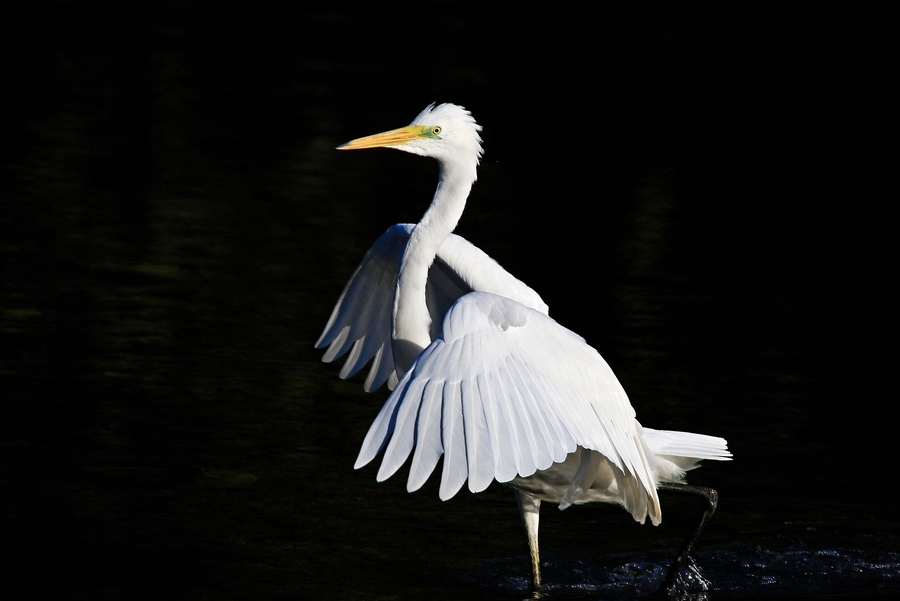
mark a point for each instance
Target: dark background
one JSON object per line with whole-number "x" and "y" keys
{"x": 693, "y": 196}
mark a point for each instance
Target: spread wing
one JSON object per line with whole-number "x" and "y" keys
{"x": 361, "y": 319}
{"x": 506, "y": 391}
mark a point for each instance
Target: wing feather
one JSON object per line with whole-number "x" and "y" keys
{"x": 511, "y": 413}
{"x": 382, "y": 369}
{"x": 360, "y": 304}
{"x": 429, "y": 442}
{"x": 456, "y": 468}
{"x": 401, "y": 430}
{"x": 478, "y": 444}
{"x": 506, "y": 391}
{"x": 361, "y": 319}
{"x": 562, "y": 433}
{"x": 502, "y": 434}
{"x": 382, "y": 429}
{"x": 535, "y": 406}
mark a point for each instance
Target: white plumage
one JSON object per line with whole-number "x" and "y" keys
{"x": 361, "y": 319}
{"x": 480, "y": 373}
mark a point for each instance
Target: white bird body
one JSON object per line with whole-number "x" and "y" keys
{"x": 486, "y": 378}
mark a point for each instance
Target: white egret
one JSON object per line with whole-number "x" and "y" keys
{"x": 482, "y": 375}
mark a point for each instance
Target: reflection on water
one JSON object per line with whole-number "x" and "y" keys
{"x": 176, "y": 228}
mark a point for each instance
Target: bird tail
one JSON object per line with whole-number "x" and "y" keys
{"x": 686, "y": 449}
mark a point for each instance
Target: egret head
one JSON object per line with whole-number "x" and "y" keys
{"x": 446, "y": 132}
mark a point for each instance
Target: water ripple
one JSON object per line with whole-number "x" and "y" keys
{"x": 726, "y": 572}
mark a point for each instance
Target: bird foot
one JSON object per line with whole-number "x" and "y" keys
{"x": 684, "y": 582}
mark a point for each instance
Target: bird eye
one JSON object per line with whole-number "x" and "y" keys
{"x": 436, "y": 130}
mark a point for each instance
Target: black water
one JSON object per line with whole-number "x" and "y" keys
{"x": 177, "y": 225}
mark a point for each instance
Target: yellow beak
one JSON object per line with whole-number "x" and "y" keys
{"x": 395, "y": 137}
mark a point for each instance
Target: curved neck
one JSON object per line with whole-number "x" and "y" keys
{"x": 411, "y": 320}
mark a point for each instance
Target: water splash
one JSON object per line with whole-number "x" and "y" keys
{"x": 725, "y": 572}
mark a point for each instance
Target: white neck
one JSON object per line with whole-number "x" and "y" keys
{"x": 411, "y": 323}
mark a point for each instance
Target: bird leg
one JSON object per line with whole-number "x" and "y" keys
{"x": 712, "y": 499}
{"x": 529, "y": 509}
